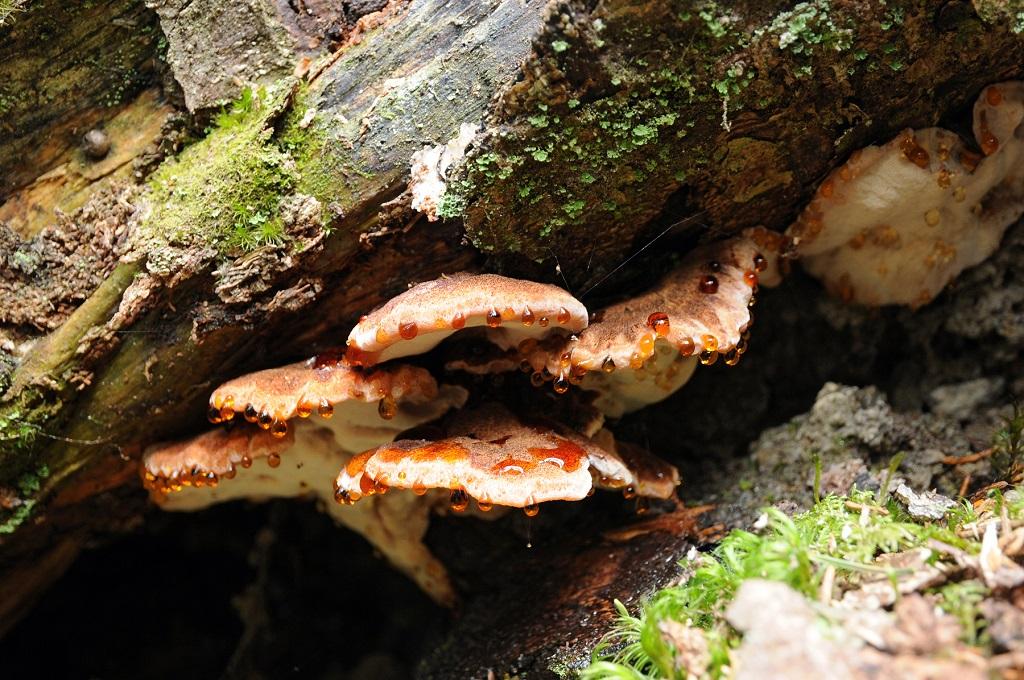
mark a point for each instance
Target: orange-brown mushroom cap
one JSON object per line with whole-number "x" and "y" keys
{"x": 206, "y": 459}
{"x": 319, "y": 385}
{"x": 641, "y": 350}
{"x": 489, "y": 454}
{"x": 630, "y": 466}
{"x": 417, "y": 320}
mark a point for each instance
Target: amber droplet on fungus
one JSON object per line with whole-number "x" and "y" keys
{"x": 561, "y": 384}
{"x": 528, "y": 318}
{"x": 459, "y": 500}
{"x": 659, "y": 323}
{"x": 608, "y": 365}
{"x": 386, "y": 408}
{"x": 279, "y": 427}
{"x": 274, "y": 460}
{"x": 708, "y": 284}
{"x": 531, "y": 510}
{"x": 459, "y": 321}
{"x": 325, "y": 409}
{"x": 408, "y": 330}
{"x": 563, "y": 316}
{"x": 493, "y": 318}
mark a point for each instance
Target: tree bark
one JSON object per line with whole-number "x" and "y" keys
{"x": 603, "y": 124}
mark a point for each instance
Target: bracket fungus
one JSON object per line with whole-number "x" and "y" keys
{"x": 490, "y": 454}
{"x": 223, "y": 464}
{"x": 417, "y": 320}
{"x": 326, "y": 385}
{"x": 898, "y": 222}
{"x": 640, "y": 351}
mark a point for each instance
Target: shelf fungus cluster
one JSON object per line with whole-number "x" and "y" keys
{"x": 355, "y": 427}
{"x": 898, "y": 222}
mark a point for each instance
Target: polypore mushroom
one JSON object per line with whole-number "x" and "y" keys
{"x": 489, "y": 454}
{"x": 358, "y": 400}
{"x": 898, "y": 222}
{"x": 641, "y": 350}
{"x": 631, "y": 467}
{"x": 302, "y": 460}
{"x": 417, "y": 320}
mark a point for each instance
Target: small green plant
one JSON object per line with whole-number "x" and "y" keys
{"x": 1008, "y": 444}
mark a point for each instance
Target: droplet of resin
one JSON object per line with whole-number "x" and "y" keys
{"x": 578, "y": 371}
{"x": 213, "y": 415}
{"x": 565, "y": 359}
{"x": 658, "y": 322}
{"x": 932, "y": 217}
{"x": 561, "y": 384}
{"x": 246, "y": 462}
{"x": 382, "y": 336}
{"x": 760, "y": 262}
{"x": 528, "y": 318}
{"x": 537, "y": 379}
{"x": 408, "y": 330}
{"x": 715, "y": 266}
{"x": 493, "y": 318}
{"x": 636, "y": 361}
{"x": 563, "y": 316}
{"x": 686, "y": 347}
{"x": 459, "y": 321}
{"x": 343, "y": 497}
{"x": 608, "y": 365}
{"x": 708, "y": 357}
{"x": 543, "y": 322}
{"x": 279, "y": 428}
{"x": 708, "y": 284}
{"x": 750, "y": 278}
{"x": 646, "y": 346}
{"x": 419, "y": 489}
{"x": 273, "y": 460}
{"x": 508, "y": 314}
{"x": 484, "y": 506}
{"x": 914, "y": 152}
{"x": 304, "y": 409}
{"x": 325, "y": 409}
{"x": 710, "y": 342}
{"x": 459, "y": 500}
{"x": 732, "y": 357}
{"x": 386, "y": 408}
{"x": 629, "y": 493}
{"x": 265, "y": 419}
{"x": 531, "y": 510}
{"x": 250, "y": 413}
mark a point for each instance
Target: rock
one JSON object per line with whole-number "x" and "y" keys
{"x": 783, "y": 637}
{"x": 963, "y": 400}
{"x": 925, "y": 506}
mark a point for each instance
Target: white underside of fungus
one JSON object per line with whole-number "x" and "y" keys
{"x": 898, "y": 222}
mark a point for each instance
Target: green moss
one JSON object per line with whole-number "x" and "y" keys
{"x": 795, "y": 551}
{"x": 226, "y": 190}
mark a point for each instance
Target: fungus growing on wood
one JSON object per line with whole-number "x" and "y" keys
{"x": 417, "y": 320}
{"x": 898, "y": 222}
{"x": 302, "y": 460}
{"x": 331, "y": 388}
{"x": 641, "y": 350}
{"x": 225, "y": 464}
{"x": 490, "y": 454}
{"x": 631, "y": 467}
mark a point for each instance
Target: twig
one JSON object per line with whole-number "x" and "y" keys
{"x": 969, "y": 458}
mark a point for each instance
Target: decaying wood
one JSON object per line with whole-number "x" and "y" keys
{"x": 603, "y": 123}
